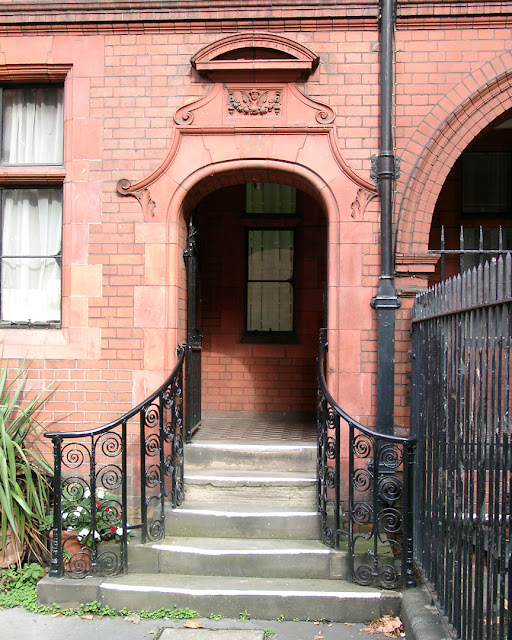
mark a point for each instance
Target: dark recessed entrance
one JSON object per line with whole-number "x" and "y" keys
{"x": 262, "y": 255}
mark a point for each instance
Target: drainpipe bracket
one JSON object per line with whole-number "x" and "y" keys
{"x": 386, "y": 297}
{"x": 379, "y": 170}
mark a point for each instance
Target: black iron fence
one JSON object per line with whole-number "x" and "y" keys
{"x": 98, "y": 503}
{"x": 461, "y": 403}
{"x": 364, "y": 491}
{"x": 477, "y": 245}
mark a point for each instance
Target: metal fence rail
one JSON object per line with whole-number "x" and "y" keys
{"x": 364, "y": 493}
{"x": 460, "y": 408}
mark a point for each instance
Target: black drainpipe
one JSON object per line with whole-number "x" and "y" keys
{"x": 386, "y": 301}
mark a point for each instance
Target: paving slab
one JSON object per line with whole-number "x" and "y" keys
{"x": 19, "y": 624}
{"x": 211, "y": 634}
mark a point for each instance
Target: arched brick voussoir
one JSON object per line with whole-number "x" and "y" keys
{"x": 443, "y": 135}
{"x": 205, "y": 180}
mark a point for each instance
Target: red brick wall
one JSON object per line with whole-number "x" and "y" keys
{"x": 255, "y": 378}
{"x": 126, "y": 81}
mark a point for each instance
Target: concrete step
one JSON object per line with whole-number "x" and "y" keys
{"x": 235, "y": 487}
{"x": 239, "y": 557}
{"x": 237, "y": 520}
{"x": 250, "y": 456}
{"x": 261, "y": 598}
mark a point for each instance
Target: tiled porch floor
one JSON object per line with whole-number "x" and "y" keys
{"x": 249, "y": 428}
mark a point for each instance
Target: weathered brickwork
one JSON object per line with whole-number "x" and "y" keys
{"x": 124, "y": 291}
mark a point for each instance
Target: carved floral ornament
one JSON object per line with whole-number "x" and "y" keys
{"x": 254, "y": 102}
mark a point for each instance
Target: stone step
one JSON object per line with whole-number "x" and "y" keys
{"x": 250, "y": 456}
{"x": 239, "y": 557}
{"x": 255, "y": 520}
{"x": 261, "y": 598}
{"x": 235, "y": 487}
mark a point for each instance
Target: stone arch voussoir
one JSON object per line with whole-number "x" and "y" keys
{"x": 207, "y": 179}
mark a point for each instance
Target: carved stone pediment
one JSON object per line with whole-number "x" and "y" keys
{"x": 247, "y": 105}
{"x": 256, "y": 55}
{"x": 255, "y": 123}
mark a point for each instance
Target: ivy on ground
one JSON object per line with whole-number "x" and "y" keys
{"x": 18, "y": 588}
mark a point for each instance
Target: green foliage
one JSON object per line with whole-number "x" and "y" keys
{"x": 269, "y": 633}
{"x": 24, "y": 474}
{"x": 215, "y": 616}
{"x": 244, "y": 615}
{"x": 176, "y": 613}
{"x": 280, "y": 618}
{"x": 18, "y": 588}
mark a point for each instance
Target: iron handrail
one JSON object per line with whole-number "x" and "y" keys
{"x": 351, "y": 421}
{"x": 127, "y": 416}
{"x": 371, "y": 507}
{"x": 92, "y": 502}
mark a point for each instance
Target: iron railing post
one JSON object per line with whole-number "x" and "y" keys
{"x": 56, "y": 562}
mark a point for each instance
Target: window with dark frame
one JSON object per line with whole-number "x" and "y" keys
{"x": 487, "y": 182}
{"x": 31, "y": 205}
{"x": 270, "y": 263}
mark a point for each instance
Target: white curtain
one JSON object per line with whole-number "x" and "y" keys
{"x": 33, "y": 125}
{"x": 32, "y": 134}
{"x": 32, "y": 224}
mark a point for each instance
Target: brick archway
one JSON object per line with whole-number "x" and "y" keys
{"x": 442, "y": 137}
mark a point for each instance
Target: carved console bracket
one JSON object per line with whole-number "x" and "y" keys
{"x": 359, "y": 205}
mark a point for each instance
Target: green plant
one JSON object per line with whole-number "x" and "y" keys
{"x": 18, "y": 588}
{"x": 269, "y": 633}
{"x": 77, "y": 509}
{"x": 280, "y": 618}
{"x": 215, "y": 616}
{"x": 244, "y": 615}
{"x": 24, "y": 474}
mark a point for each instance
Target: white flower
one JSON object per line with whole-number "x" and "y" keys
{"x": 100, "y": 493}
{"x": 119, "y": 531}
{"x": 83, "y": 533}
{"x": 87, "y": 493}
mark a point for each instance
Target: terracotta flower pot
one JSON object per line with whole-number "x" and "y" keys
{"x": 77, "y": 555}
{"x": 12, "y": 552}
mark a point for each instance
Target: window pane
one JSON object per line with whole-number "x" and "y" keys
{"x": 270, "y": 306}
{"x": 33, "y": 125}
{"x": 271, "y": 254}
{"x": 487, "y": 182}
{"x": 269, "y": 198}
{"x": 270, "y": 275}
{"x": 31, "y": 247}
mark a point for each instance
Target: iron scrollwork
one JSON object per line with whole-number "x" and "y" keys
{"x": 91, "y": 491}
{"x": 370, "y": 508}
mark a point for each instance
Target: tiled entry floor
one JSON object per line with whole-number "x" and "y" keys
{"x": 249, "y": 428}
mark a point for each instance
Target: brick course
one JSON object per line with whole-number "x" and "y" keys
{"x": 127, "y": 80}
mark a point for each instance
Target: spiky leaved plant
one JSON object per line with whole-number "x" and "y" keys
{"x": 24, "y": 473}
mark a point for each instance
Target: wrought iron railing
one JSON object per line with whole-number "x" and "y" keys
{"x": 97, "y": 502}
{"x": 477, "y": 245}
{"x": 461, "y": 405}
{"x": 364, "y": 491}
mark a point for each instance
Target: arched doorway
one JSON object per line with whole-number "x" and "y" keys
{"x": 217, "y": 148}
{"x": 472, "y": 216}
{"x": 262, "y": 255}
